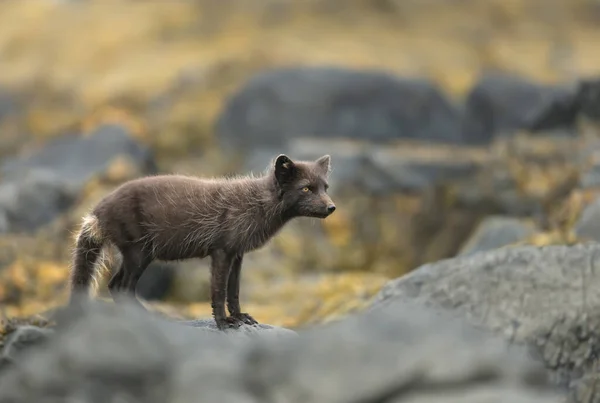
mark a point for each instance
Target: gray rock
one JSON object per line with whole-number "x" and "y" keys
{"x": 285, "y": 103}
{"x": 564, "y": 108}
{"x": 393, "y": 168}
{"x": 543, "y": 297}
{"x": 495, "y": 232}
{"x": 23, "y": 338}
{"x": 40, "y": 185}
{"x": 8, "y": 104}
{"x": 76, "y": 159}
{"x": 245, "y": 330}
{"x": 33, "y": 200}
{"x": 398, "y": 353}
{"x": 588, "y": 225}
{"x": 502, "y": 103}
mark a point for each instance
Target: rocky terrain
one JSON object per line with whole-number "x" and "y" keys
{"x": 459, "y": 266}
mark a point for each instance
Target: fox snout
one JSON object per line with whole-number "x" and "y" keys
{"x": 329, "y": 206}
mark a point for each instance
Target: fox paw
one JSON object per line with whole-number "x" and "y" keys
{"x": 245, "y": 318}
{"x": 227, "y": 323}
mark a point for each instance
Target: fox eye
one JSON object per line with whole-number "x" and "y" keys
{"x": 305, "y": 189}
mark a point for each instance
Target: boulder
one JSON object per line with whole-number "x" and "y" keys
{"x": 495, "y": 232}
{"x": 405, "y": 166}
{"x": 23, "y": 338}
{"x": 587, "y": 226}
{"x": 41, "y": 184}
{"x": 281, "y": 104}
{"x": 564, "y": 109}
{"x": 397, "y": 354}
{"x": 500, "y": 104}
{"x": 33, "y": 200}
{"x": 543, "y": 297}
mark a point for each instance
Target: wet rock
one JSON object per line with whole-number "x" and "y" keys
{"x": 398, "y": 353}
{"x": 539, "y": 296}
{"x": 495, "y": 232}
{"x": 278, "y": 105}
{"x": 501, "y": 104}
{"x": 39, "y": 185}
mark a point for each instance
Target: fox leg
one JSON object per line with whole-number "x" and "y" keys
{"x": 219, "y": 269}
{"x": 233, "y": 292}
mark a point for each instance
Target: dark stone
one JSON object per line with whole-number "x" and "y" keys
{"x": 400, "y": 353}
{"x": 156, "y": 281}
{"x": 495, "y": 232}
{"x": 38, "y": 186}
{"x": 563, "y": 110}
{"x": 281, "y": 104}
{"x": 543, "y": 297}
{"x": 500, "y": 104}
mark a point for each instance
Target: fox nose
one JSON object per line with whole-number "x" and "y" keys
{"x": 330, "y": 208}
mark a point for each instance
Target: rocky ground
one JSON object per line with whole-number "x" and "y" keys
{"x": 461, "y": 258}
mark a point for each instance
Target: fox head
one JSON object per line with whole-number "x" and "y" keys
{"x": 302, "y": 186}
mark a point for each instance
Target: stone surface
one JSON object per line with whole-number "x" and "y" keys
{"x": 249, "y": 330}
{"x": 540, "y": 296}
{"x": 24, "y": 337}
{"x": 277, "y": 105}
{"x": 34, "y": 199}
{"x": 405, "y": 166}
{"x": 397, "y": 354}
{"x": 39, "y": 185}
{"x": 563, "y": 110}
{"x": 495, "y": 232}
{"x": 76, "y": 159}
{"x": 501, "y": 103}
{"x": 588, "y": 225}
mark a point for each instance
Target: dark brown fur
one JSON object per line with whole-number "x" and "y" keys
{"x": 174, "y": 217}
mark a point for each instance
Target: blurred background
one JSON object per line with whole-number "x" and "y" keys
{"x": 454, "y": 126}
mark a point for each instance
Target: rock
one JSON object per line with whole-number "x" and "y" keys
{"x": 281, "y": 104}
{"x": 23, "y": 338}
{"x": 404, "y": 166}
{"x": 543, "y": 297}
{"x": 588, "y": 98}
{"x": 588, "y": 225}
{"x": 42, "y": 184}
{"x": 156, "y": 282}
{"x": 33, "y": 200}
{"x": 77, "y": 159}
{"x": 396, "y": 354}
{"x": 209, "y": 324}
{"x": 496, "y": 232}
{"x": 566, "y": 107}
{"x": 8, "y": 104}
{"x": 501, "y": 104}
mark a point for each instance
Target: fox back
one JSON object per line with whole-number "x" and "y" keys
{"x": 178, "y": 217}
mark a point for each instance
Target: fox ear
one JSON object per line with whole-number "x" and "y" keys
{"x": 325, "y": 164}
{"x": 285, "y": 169}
